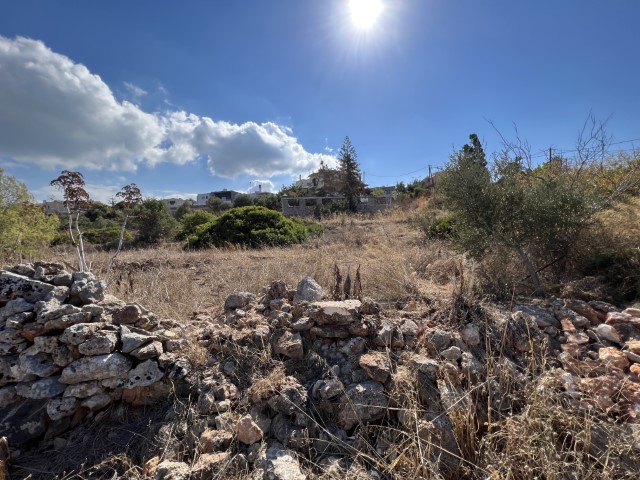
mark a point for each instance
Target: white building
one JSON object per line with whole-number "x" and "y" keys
{"x": 173, "y": 203}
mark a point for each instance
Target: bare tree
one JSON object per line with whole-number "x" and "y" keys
{"x": 130, "y": 197}
{"x": 76, "y": 199}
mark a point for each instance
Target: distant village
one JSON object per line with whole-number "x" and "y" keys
{"x": 320, "y": 189}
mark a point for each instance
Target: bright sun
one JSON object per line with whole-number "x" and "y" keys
{"x": 364, "y": 13}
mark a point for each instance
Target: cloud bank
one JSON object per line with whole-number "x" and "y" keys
{"x": 56, "y": 113}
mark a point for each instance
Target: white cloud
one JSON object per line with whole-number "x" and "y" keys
{"x": 135, "y": 90}
{"x": 57, "y": 113}
{"x": 262, "y": 186}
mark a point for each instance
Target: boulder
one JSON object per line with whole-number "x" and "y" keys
{"x": 335, "y": 312}
{"x": 132, "y": 340}
{"x": 308, "y": 291}
{"x": 238, "y": 300}
{"x": 128, "y": 315}
{"x": 377, "y": 366}
{"x": 247, "y": 431}
{"x": 96, "y": 368}
{"x": 280, "y": 464}
{"x": 13, "y": 286}
{"x": 39, "y": 389}
{"x": 78, "y": 333}
{"x": 99, "y": 343}
{"x": 214, "y": 441}
{"x": 61, "y": 407}
{"x": 144, "y": 374}
{"x": 290, "y": 345}
{"x": 151, "y": 350}
{"x": 363, "y": 402}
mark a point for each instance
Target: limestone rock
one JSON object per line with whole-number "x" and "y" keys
{"x": 83, "y": 390}
{"x": 132, "y": 340}
{"x": 46, "y": 344}
{"x": 99, "y": 343}
{"x": 172, "y": 471}
{"x": 78, "y": 333}
{"x": 144, "y": 374}
{"x": 471, "y": 335}
{"x": 280, "y": 464}
{"x": 290, "y": 345}
{"x": 214, "y": 441}
{"x": 88, "y": 291}
{"x": 238, "y": 300}
{"x": 608, "y": 332}
{"x": 452, "y": 353}
{"x": 96, "y": 368}
{"x": 128, "y": 315}
{"x": 247, "y": 431}
{"x": 40, "y": 364}
{"x": 308, "y": 291}
{"x": 61, "y": 407}
{"x": 96, "y": 402}
{"x": 611, "y": 356}
{"x": 335, "y": 312}
{"x": 364, "y": 402}
{"x": 39, "y": 389}
{"x": 543, "y": 317}
{"x": 14, "y": 286}
{"x": 376, "y": 365}
{"x": 151, "y": 350}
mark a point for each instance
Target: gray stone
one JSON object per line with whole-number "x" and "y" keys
{"x": 543, "y": 317}
{"x": 439, "y": 339}
{"x": 88, "y": 291}
{"x": 409, "y": 327}
{"x": 18, "y": 305}
{"x": 63, "y": 279}
{"x": 78, "y": 333}
{"x": 280, "y": 464}
{"x": 168, "y": 470}
{"x": 66, "y": 321}
{"x": 11, "y": 371}
{"x": 302, "y": 324}
{"x": 11, "y": 335}
{"x": 132, "y": 340}
{"x": 354, "y": 346}
{"x": 99, "y": 343}
{"x": 52, "y": 310}
{"x": 130, "y": 314}
{"x": 12, "y": 348}
{"x": 43, "y": 388}
{"x": 14, "y": 286}
{"x": 364, "y": 402}
{"x": 335, "y": 312}
{"x": 608, "y": 332}
{"x": 58, "y": 408}
{"x": 46, "y": 344}
{"x": 24, "y": 421}
{"x": 452, "y": 353}
{"x": 96, "y": 368}
{"x": 96, "y": 402}
{"x": 40, "y": 364}
{"x": 471, "y": 335}
{"x": 8, "y": 395}
{"x": 144, "y": 374}
{"x": 65, "y": 354}
{"x": 238, "y": 300}
{"x": 152, "y": 350}
{"x": 289, "y": 345}
{"x": 83, "y": 390}
{"x": 308, "y": 291}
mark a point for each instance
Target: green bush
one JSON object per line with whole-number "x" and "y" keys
{"x": 190, "y": 222}
{"x": 252, "y": 227}
{"x": 105, "y": 235}
{"x": 443, "y": 228}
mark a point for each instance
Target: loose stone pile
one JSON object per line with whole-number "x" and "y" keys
{"x": 68, "y": 350}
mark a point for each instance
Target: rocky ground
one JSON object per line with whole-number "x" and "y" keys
{"x": 287, "y": 384}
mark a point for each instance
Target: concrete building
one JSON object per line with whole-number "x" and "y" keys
{"x": 54, "y": 206}
{"x": 308, "y": 206}
{"x": 173, "y": 203}
{"x": 225, "y": 195}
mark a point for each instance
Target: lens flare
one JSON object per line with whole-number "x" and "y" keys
{"x": 364, "y": 13}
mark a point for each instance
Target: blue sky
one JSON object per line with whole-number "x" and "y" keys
{"x": 193, "y": 96}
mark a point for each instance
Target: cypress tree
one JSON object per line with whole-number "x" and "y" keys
{"x": 350, "y": 169}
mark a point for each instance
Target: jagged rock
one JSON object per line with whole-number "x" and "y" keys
{"x": 152, "y": 350}
{"x": 238, "y": 300}
{"x": 280, "y": 464}
{"x": 78, "y": 333}
{"x": 291, "y": 399}
{"x": 214, "y": 441}
{"x": 40, "y": 364}
{"x": 168, "y": 470}
{"x": 132, "y": 340}
{"x": 247, "y": 431}
{"x": 96, "y": 368}
{"x": 369, "y": 307}
{"x": 471, "y": 335}
{"x": 61, "y": 407}
{"x": 66, "y": 321}
{"x": 613, "y": 357}
{"x": 96, "y": 402}
{"x": 409, "y": 327}
{"x": 302, "y": 324}
{"x": 601, "y": 390}
{"x": 389, "y": 336}
{"x": 46, "y": 344}
{"x": 330, "y": 332}
{"x": 376, "y": 365}
{"x": 334, "y": 312}
{"x": 88, "y": 290}
{"x": 440, "y": 441}
{"x": 128, "y": 315}
{"x": 11, "y": 335}
{"x": 15, "y": 306}
{"x": 261, "y": 419}
{"x": 12, "y": 348}
{"x": 53, "y": 310}
{"x": 44, "y": 388}
{"x": 543, "y": 317}
{"x": 363, "y": 402}
{"x": 288, "y": 433}
{"x": 209, "y": 465}
{"x": 584, "y": 309}
{"x": 608, "y": 332}
{"x": 99, "y": 343}
{"x": 290, "y": 345}
{"x": 11, "y": 371}
{"x": 83, "y": 390}
{"x": 65, "y": 354}
{"x": 425, "y": 366}
{"x": 452, "y": 353}
{"x": 8, "y": 395}
{"x": 14, "y": 286}
{"x": 438, "y": 339}
{"x": 144, "y": 374}
{"x": 308, "y": 291}
{"x": 354, "y": 346}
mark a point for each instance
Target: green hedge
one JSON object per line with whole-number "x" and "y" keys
{"x": 252, "y": 227}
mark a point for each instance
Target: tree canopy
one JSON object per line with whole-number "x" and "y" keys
{"x": 353, "y": 185}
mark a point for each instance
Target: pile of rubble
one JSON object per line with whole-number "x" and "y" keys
{"x": 292, "y": 381}
{"x": 68, "y": 350}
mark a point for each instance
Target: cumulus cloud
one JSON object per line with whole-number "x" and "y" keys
{"x": 55, "y": 112}
{"x": 135, "y": 90}
{"x": 262, "y": 186}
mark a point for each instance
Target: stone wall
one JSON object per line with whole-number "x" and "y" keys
{"x": 68, "y": 350}
{"x": 306, "y": 206}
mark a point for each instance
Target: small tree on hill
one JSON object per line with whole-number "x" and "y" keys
{"x": 154, "y": 221}
{"x": 76, "y": 199}
{"x": 353, "y": 185}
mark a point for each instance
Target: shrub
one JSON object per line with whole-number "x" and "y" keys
{"x": 443, "y": 228}
{"x": 252, "y": 227}
{"x": 190, "y": 221}
{"x": 105, "y": 235}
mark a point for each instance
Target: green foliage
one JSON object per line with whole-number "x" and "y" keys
{"x": 442, "y": 228}
{"x": 183, "y": 209}
{"x": 349, "y": 167}
{"x": 154, "y": 221}
{"x": 218, "y": 205}
{"x": 536, "y": 216}
{"x": 413, "y": 189}
{"x": 105, "y": 235}
{"x": 331, "y": 208}
{"x": 190, "y": 222}
{"x": 272, "y": 202}
{"x": 24, "y": 227}
{"x": 252, "y": 227}
{"x": 242, "y": 200}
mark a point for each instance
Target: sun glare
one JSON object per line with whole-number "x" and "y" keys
{"x": 364, "y": 13}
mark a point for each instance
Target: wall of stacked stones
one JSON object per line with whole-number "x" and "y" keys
{"x": 68, "y": 350}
